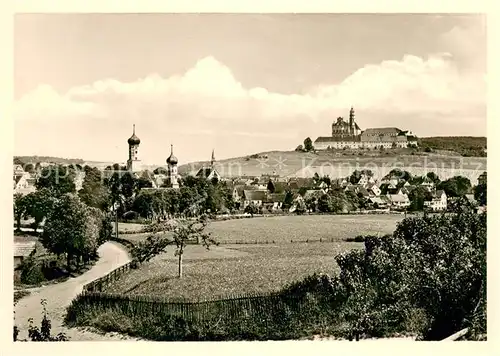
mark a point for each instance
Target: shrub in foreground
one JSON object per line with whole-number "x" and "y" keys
{"x": 43, "y": 333}
{"x": 429, "y": 276}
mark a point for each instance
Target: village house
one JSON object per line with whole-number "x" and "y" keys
{"x": 379, "y": 202}
{"x": 274, "y": 201}
{"x": 296, "y": 183}
{"x": 365, "y": 180}
{"x": 428, "y": 183}
{"x": 373, "y": 189}
{"x": 23, "y": 247}
{"x": 399, "y": 201}
{"x": 439, "y": 201}
{"x": 255, "y": 197}
{"x": 23, "y": 182}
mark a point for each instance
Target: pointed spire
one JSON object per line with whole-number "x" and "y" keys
{"x": 171, "y": 149}
{"x": 212, "y": 160}
{"x": 133, "y": 129}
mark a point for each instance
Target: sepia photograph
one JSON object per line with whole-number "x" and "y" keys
{"x": 249, "y": 177}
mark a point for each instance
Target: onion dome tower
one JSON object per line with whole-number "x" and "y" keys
{"x": 172, "y": 169}
{"x": 133, "y": 162}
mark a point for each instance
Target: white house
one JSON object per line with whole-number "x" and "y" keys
{"x": 399, "y": 201}
{"x": 256, "y": 197}
{"x": 439, "y": 202}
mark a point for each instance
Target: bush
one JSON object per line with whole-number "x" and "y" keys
{"x": 31, "y": 272}
{"x": 429, "y": 276}
{"x": 44, "y": 332}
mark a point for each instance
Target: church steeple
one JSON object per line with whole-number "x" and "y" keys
{"x": 133, "y": 162}
{"x": 212, "y": 160}
{"x": 172, "y": 176}
{"x": 351, "y": 121}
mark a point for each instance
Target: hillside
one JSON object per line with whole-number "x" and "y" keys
{"x": 39, "y": 159}
{"x": 342, "y": 163}
{"x": 467, "y": 146}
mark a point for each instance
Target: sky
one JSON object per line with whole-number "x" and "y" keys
{"x": 239, "y": 83}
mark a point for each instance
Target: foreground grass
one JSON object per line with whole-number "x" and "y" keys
{"x": 230, "y": 270}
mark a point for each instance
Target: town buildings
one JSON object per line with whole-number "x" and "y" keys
{"x": 347, "y": 134}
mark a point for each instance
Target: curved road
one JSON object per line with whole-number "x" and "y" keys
{"x": 59, "y": 296}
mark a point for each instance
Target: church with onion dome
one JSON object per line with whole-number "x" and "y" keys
{"x": 133, "y": 162}
{"x": 135, "y": 166}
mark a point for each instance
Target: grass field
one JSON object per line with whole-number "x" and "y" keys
{"x": 282, "y": 229}
{"x": 231, "y": 269}
{"x": 301, "y": 228}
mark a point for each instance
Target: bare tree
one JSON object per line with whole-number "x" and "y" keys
{"x": 178, "y": 232}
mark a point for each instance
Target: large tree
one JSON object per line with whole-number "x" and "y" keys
{"x": 69, "y": 228}
{"x": 39, "y": 204}
{"x": 20, "y": 209}
{"x": 94, "y": 193}
{"x": 59, "y": 179}
{"x": 418, "y": 196}
{"x": 480, "y": 194}
{"x": 308, "y": 145}
{"x": 455, "y": 186}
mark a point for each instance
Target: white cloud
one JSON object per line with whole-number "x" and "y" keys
{"x": 208, "y": 98}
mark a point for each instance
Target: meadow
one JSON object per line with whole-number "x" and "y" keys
{"x": 234, "y": 269}
{"x": 289, "y": 228}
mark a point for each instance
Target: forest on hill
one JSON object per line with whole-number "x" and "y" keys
{"x": 22, "y": 160}
{"x": 466, "y": 146}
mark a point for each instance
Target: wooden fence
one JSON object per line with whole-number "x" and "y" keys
{"x": 99, "y": 284}
{"x": 267, "y": 312}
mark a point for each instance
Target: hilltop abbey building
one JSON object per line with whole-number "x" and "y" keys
{"x": 349, "y": 135}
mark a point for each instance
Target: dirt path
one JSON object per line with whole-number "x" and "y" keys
{"x": 59, "y": 296}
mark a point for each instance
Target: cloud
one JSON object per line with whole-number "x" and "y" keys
{"x": 467, "y": 41}
{"x": 208, "y": 99}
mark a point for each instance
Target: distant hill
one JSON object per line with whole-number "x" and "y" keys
{"x": 341, "y": 163}
{"x": 40, "y": 159}
{"x": 467, "y": 146}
